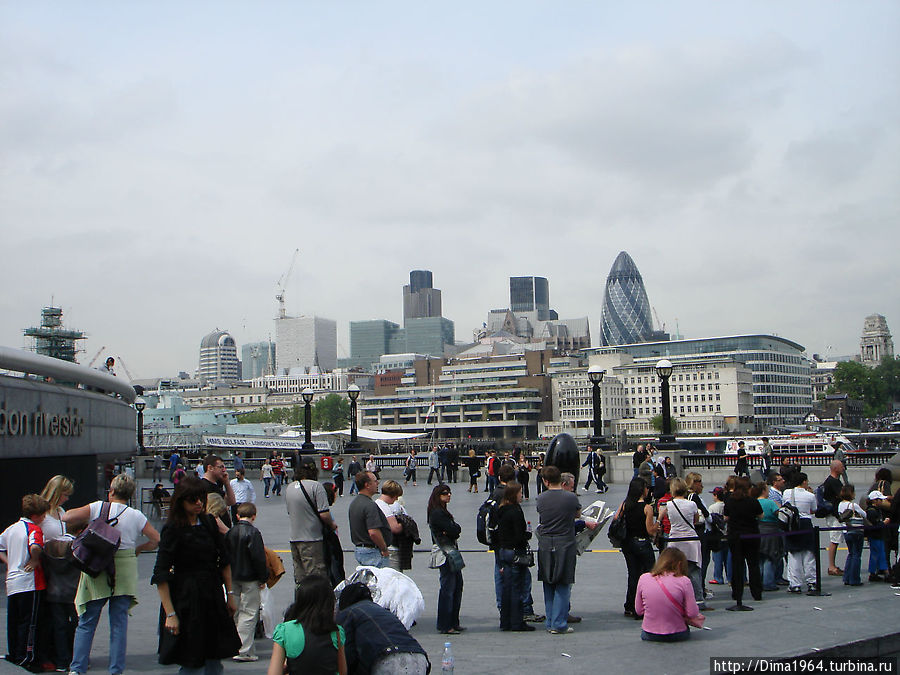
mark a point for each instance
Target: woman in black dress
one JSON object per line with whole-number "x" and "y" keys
{"x": 640, "y": 526}
{"x": 195, "y": 624}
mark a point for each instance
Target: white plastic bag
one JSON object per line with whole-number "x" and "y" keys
{"x": 267, "y": 611}
{"x": 391, "y": 589}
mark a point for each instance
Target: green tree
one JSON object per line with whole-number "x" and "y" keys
{"x": 866, "y": 384}
{"x": 331, "y": 413}
{"x": 656, "y": 423}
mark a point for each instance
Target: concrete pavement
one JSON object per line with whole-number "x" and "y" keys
{"x": 782, "y": 624}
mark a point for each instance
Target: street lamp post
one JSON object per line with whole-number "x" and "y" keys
{"x": 139, "y": 405}
{"x": 667, "y": 438}
{"x": 353, "y": 393}
{"x": 595, "y": 375}
{"x": 307, "y": 446}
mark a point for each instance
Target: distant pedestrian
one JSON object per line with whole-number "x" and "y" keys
{"x": 434, "y": 465}
{"x": 352, "y": 469}
{"x": 409, "y": 472}
{"x": 337, "y": 475}
{"x": 474, "y": 466}
{"x": 157, "y": 467}
{"x": 740, "y": 467}
{"x": 278, "y": 473}
{"x": 243, "y": 492}
{"x": 267, "y": 475}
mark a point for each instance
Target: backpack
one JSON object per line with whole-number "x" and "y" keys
{"x": 788, "y": 517}
{"x": 486, "y": 521}
{"x": 94, "y": 549}
{"x": 824, "y": 508}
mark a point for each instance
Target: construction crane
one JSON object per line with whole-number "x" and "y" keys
{"x": 282, "y": 284}
{"x": 121, "y": 362}
{"x": 96, "y": 356}
{"x": 660, "y": 325}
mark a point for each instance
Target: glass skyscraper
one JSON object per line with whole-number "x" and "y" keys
{"x": 530, "y": 294}
{"x": 625, "y": 318}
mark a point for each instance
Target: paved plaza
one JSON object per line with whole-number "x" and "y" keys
{"x": 605, "y": 641}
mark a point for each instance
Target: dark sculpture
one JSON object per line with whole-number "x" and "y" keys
{"x": 563, "y": 454}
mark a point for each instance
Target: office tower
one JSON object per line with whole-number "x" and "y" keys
{"x": 625, "y": 318}
{"x": 876, "y": 342}
{"x": 305, "y": 343}
{"x": 420, "y": 298}
{"x": 530, "y": 294}
{"x": 258, "y": 359}
{"x": 218, "y": 358}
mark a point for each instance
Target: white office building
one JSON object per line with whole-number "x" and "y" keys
{"x": 218, "y": 358}
{"x": 305, "y": 344}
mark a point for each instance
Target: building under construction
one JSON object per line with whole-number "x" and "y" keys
{"x": 52, "y": 339}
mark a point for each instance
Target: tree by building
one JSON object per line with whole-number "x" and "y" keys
{"x": 656, "y": 423}
{"x": 876, "y": 387}
{"x": 331, "y": 413}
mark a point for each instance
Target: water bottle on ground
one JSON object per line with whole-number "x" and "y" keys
{"x": 447, "y": 659}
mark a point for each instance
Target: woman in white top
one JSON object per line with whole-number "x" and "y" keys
{"x": 267, "y": 475}
{"x": 850, "y": 513}
{"x": 683, "y": 516}
{"x": 57, "y": 492}
{"x": 391, "y": 508}
{"x": 800, "y": 547}
{"x": 94, "y": 593}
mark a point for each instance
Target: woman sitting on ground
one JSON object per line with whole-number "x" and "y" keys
{"x": 665, "y": 597}
{"x": 309, "y": 640}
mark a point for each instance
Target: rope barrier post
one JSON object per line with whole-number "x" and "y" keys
{"x": 818, "y": 556}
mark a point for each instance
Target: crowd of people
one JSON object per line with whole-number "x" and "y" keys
{"x": 212, "y": 564}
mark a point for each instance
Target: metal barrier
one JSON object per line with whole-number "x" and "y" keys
{"x": 721, "y": 460}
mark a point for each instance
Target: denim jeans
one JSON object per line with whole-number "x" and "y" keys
{"x": 767, "y": 569}
{"x": 276, "y": 489}
{"x": 511, "y": 606}
{"x": 118, "y": 633}
{"x": 854, "y": 557}
{"x": 211, "y": 667}
{"x": 639, "y": 559}
{"x": 556, "y": 605}
{"x": 696, "y": 581}
{"x": 877, "y": 557}
{"x": 722, "y": 564}
{"x": 449, "y": 598}
{"x": 268, "y": 483}
{"x": 371, "y": 557}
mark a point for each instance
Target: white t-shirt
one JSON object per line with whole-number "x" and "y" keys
{"x": 390, "y": 510}
{"x": 17, "y": 547}
{"x": 804, "y": 500}
{"x": 53, "y": 527}
{"x": 131, "y": 522}
{"x": 858, "y": 517}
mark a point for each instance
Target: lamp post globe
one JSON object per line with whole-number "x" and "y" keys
{"x": 595, "y": 375}
{"x": 353, "y": 394}
{"x": 307, "y": 446}
{"x": 139, "y": 405}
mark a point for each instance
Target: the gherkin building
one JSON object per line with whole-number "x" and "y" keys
{"x": 626, "y": 310}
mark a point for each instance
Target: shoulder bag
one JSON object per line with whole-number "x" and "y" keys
{"x": 695, "y": 621}
{"x": 617, "y": 530}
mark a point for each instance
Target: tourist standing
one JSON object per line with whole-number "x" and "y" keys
{"x": 243, "y": 491}
{"x": 850, "y": 513}
{"x": 337, "y": 475}
{"x": 771, "y": 549}
{"x": 93, "y": 593}
{"x": 391, "y": 491}
{"x": 248, "y": 576}
{"x": 434, "y": 465}
{"x": 512, "y": 547}
{"x": 831, "y": 492}
{"x": 409, "y": 473}
{"x": 445, "y": 534}
{"x": 309, "y": 513}
{"x": 215, "y": 480}
{"x": 196, "y": 629}
{"x": 742, "y": 514}
{"x": 369, "y": 529}
{"x": 277, "y": 472}
{"x": 740, "y": 467}
{"x": 683, "y": 518}
{"x": 801, "y": 547}
{"x": 267, "y": 475}
{"x": 352, "y": 469}
{"x": 640, "y": 526}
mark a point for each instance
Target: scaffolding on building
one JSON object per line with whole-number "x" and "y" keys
{"x": 52, "y": 339}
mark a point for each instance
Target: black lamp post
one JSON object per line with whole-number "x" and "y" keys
{"x": 307, "y": 421}
{"x": 664, "y": 371}
{"x": 139, "y": 405}
{"x": 353, "y": 393}
{"x": 595, "y": 375}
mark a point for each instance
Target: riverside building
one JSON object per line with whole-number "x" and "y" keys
{"x": 779, "y": 370}
{"x": 218, "y": 358}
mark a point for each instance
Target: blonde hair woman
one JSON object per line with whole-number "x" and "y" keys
{"x": 57, "y": 492}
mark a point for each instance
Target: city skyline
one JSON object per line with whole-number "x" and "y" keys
{"x": 158, "y": 173}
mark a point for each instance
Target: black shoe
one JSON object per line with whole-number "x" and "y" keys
{"x": 739, "y": 608}
{"x": 782, "y": 582}
{"x": 535, "y": 618}
{"x": 524, "y": 628}
{"x": 573, "y": 619}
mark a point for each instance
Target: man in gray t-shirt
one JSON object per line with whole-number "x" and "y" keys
{"x": 307, "y": 521}
{"x": 369, "y": 529}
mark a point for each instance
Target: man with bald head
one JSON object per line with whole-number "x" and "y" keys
{"x": 831, "y": 491}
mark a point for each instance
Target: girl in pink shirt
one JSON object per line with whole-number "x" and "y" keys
{"x": 665, "y": 597}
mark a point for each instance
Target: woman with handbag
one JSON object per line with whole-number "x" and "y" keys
{"x": 513, "y": 558}
{"x": 665, "y": 598}
{"x": 445, "y": 556}
{"x": 683, "y": 516}
{"x": 640, "y": 526}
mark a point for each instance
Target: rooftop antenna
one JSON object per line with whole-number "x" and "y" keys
{"x": 281, "y": 284}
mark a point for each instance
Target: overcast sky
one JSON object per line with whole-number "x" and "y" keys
{"x": 160, "y": 162}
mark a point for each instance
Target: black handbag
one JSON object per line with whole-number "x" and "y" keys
{"x": 526, "y": 558}
{"x": 617, "y": 530}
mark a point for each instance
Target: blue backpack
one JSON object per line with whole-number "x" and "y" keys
{"x": 824, "y": 508}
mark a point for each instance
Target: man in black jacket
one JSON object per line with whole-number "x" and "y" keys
{"x": 248, "y": 577}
